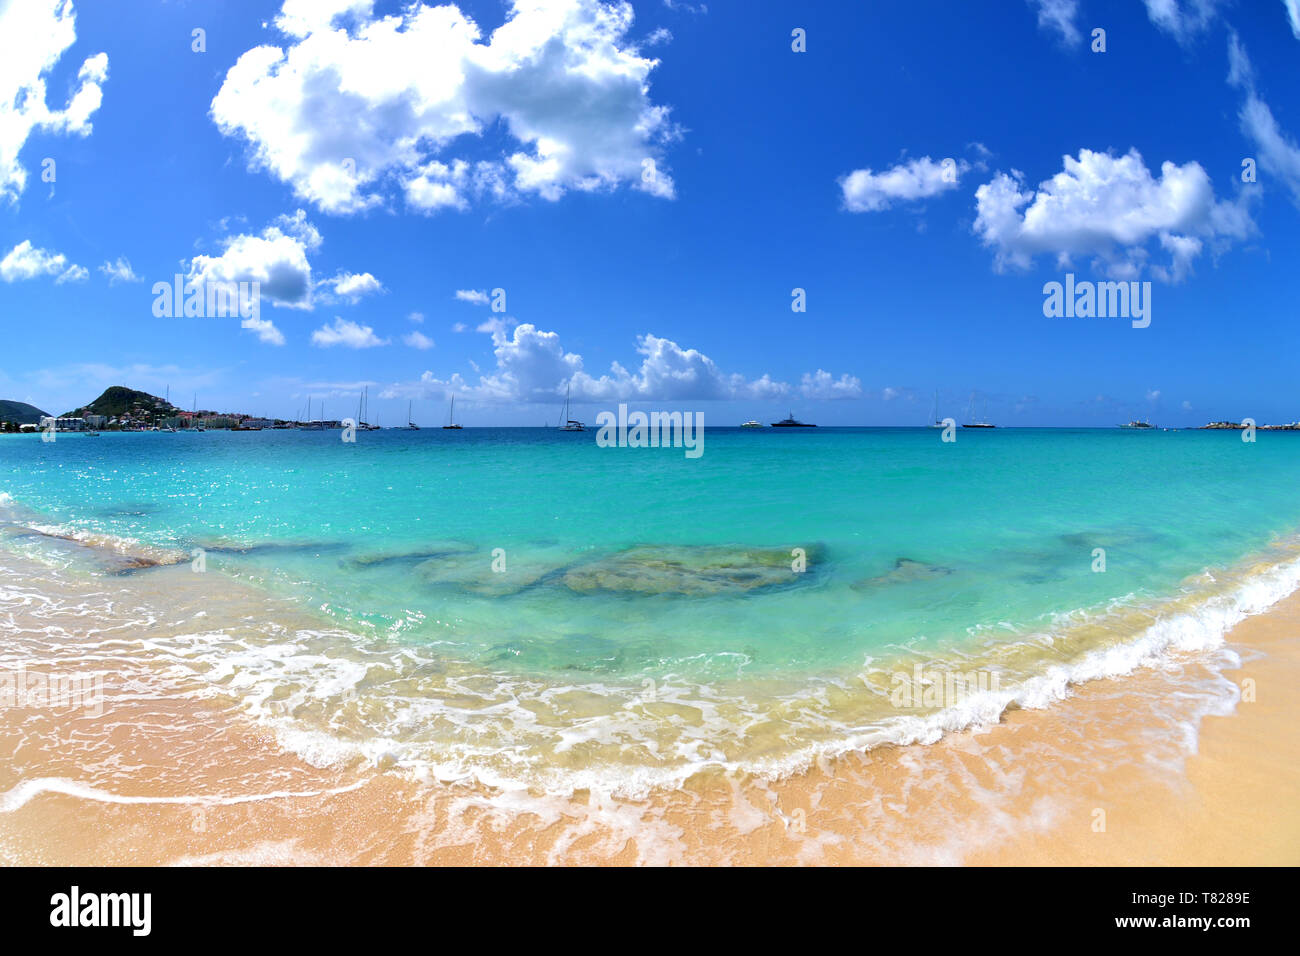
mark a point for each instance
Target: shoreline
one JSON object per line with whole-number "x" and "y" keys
{"x": 1025, "y": 790}
{"x": 1236, "y": 802}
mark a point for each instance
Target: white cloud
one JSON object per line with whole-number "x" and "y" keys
{"x": 1153, "y": 395}
{"x": 418, "y": 340}
{"x": 459, "y": 327}
{"x": 1182, "y": 19}
{"x": 25, "y": 261}
{"x": 276, "y": 259}
{"x": 1187, "y": 406}
{"x": 1059, "y": 15}
{"x": 823, "y": 385}
{"x": 473, "y": 296}
{"x": 352, "y": 286}
{"x": 353, "y": 104}
{"x": 119, "y": 271}
{"x": 1293, "y": 16}
{"x": 34, "y": 35}
{"x": 265, "y": 329}
{"x": 349, "y": 334}
{"x": 532, "y": 366}
{"x": 661, "y": 35}
{"x": 866, "y": 191}
{"x": 1109, "y": 208}
{"x": 1279, "y": 155}
{"x": 416, "y": 317}
{"x": 74, "y": 273}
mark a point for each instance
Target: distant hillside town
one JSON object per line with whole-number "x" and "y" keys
{"x": 127, "y": 409}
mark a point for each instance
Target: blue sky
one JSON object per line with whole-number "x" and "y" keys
{"x": 366, "y": 170}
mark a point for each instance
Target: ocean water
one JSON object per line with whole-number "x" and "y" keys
{"x": 523, "y": 607}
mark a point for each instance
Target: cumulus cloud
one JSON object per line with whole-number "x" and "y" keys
{"x": 1059, "y": 16}
{"x": 1278, "y": 154}
{"x": 265, "y": 329}
{"x": 353, "y": 109}
{"x": 277, "y": 259}
{"x": 119, "y": 271}
{"x": 472, "y": 296}
{"x": 348, "y": 334}
{"x": 25, "y": 261}
{"x": 867, "y": 191}
{"x": 418, "y": 340}
{"x": 351, "y": 286}
{"x": 1108, "y": 208}
{"x": 1293, "y": 16}
{"x": 34, "y": 35}
{"x": 494, "y": 325}
{"x": 416, "y": 317}
{"x": 533, "y": 366}
{"x": 824, "y": 385}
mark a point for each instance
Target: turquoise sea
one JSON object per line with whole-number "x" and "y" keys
{"x": 523, "y": 605}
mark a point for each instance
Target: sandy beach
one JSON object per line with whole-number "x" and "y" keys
{"x": 1105, "y": 777}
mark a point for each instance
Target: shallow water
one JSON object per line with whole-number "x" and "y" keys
{"x": 649, "y": 615}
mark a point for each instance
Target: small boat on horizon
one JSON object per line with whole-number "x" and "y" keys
{"x": 569, "y": 424}
{"x": 937, "y": 422}
{"x": 1137, "y": 424}
{"x": 792, "y": 422}
{"x": 983, "y": 420}
{"x": 410, "y": 425}
{"x": 363, "y": 412}
{"x": 451, "y": 415}
{"x": 751, "y": 424}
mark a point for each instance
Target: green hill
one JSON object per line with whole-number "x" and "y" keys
{"x": 120, "y": 400}
{"x": 21, "y": 413}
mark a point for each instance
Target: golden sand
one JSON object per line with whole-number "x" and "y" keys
{"x": 1095, "y": 779}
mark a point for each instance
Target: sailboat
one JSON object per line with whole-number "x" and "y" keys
{"x": 410, "y": 425}
{"x": 364, "y": 425}
{"x": 310, "y": 425}
{"x": 983, "y": 421}
{"x": 451, "y": 415}
{"x": 569, "y": 424}
{"x": 937, "y": 422}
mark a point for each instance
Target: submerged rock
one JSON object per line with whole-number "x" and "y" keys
{"x": 272, "y": 547}
{"x": 477, "y": 571}
{"x": 436, "y": 549}
{"x": 905, "y": 571}
{"x": 691, "y": 570}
